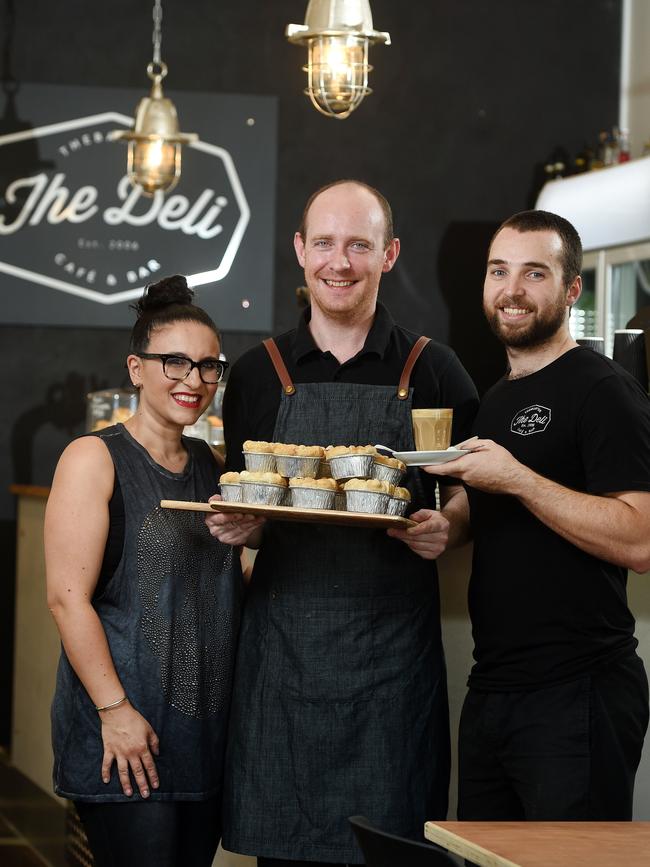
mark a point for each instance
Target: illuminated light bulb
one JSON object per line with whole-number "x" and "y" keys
{"x": 337, "y": 34}
{"x": 154, "y": 156}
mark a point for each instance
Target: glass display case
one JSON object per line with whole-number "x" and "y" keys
{"x": 616, "y": 287}
{"x": 610, "y": 209}
{"x": 107, "y": 407}
{"x": 584, "y": 317}
{"x": 110, "y": 406}
{"x": 209, "y": 426}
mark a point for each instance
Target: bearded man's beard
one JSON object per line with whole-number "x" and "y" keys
{"x": 540, "y": 328}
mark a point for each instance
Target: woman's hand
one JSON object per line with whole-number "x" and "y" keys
{"x": 233, "y": 528}
{"x": 129, "y": 741}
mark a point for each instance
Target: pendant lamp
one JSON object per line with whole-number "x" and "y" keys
{"x": 337, "y": 34}
{"x": 154, "y": 154}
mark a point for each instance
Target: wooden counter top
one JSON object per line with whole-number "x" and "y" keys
{"x": 545, "y": 844}
{"x": 30, "y": 491}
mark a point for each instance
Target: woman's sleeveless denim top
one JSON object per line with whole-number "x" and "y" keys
{"x": 171, "y": 616}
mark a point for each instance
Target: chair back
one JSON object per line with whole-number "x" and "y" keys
{"x": 387, "y": 850}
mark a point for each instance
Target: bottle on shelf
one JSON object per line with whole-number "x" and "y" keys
{"x": 598, "y": 160}
{"x": 556, "y": 165}
{"x": 582, "y": 160}
{"x": 610, "y": 147}
{"x": 623, "y": 146}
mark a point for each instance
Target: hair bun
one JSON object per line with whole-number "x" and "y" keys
{"x": 169, "y": 290}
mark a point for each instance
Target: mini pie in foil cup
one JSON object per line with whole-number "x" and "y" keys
{"x": 260, "y": 494}
{"x": 397, "y": 506}
{"x": 230, "y": 493}
{"x": 259, "y": 462}
{"x": 312, "y": 498}
{"x": 351, "y": 466}
{"x": 386, "y": 474}
{"x": 367, "y": 501}
{"x": 297, "y": 465}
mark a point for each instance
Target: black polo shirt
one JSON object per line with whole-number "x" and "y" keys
{"x": 252, "y": 399}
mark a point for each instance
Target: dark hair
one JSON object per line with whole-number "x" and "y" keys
{"x": 543, "y": 221}
{"x": 383, "y": 203}
{"x": 169, "y": 300}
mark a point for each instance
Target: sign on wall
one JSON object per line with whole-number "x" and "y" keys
{"x": 78, "y": 242}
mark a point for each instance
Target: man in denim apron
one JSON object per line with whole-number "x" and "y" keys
{"x": 340, "y": 703}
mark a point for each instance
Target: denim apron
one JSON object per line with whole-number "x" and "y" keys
{"x": 340, "y": 700}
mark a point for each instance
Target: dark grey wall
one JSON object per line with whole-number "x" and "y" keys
{"x": 469, "y": 100}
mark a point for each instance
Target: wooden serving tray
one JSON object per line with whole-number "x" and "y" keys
{"x": 289, "y": 513}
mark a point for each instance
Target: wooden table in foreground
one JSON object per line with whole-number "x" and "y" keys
{"x": 545, "y": 844}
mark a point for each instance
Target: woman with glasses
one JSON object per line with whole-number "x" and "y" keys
{"x": 147, "y": 605}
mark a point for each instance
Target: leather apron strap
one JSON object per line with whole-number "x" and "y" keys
{"x": 280, "y": 368}
{"x": 414, "y": 354}
{"x": 289, "y": 388}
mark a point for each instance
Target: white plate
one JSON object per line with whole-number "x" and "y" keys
{"x": 422, "y": 459}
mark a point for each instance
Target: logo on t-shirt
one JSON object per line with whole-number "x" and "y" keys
{"x": 534, "y": 419}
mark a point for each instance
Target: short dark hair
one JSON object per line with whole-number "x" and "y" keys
{"x": 545, "y": 221}
{"x": 162, "y": 303}
{"x": 383, "y": 203}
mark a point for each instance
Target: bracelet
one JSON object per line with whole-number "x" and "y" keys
{"x": 113, "y": 704}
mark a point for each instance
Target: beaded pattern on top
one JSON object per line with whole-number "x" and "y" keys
{"x": 195, "y": 669}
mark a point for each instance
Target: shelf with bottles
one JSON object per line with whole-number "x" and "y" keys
{"x": 615, "y": 294}
{"x": 611, "y": 149}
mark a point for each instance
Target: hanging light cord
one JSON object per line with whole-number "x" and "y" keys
{"x": 156, "y": 37}
{"x": 9, "y": 83}
{"x": 157, "y": 70}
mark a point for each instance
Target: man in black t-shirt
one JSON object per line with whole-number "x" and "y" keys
{"x": 559, "y": 504}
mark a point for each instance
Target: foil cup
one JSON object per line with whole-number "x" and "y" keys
{"x": 312, "y": 498}
{"x": 351, "y": 466}
{"x": 259, "y": 462}
{"x": 386, "y": 474}
{"x": 291, "y": 466}
{"x": 324, "y": 471}
{"x": 397, "y": 506}
{"x": 367, "y": 501}
{"x": 231, "y": 493}
{"x": 260, "y": 494}
{"x": 340, "y": 503}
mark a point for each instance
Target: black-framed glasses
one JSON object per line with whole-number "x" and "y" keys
{"x": 211, "y": 370}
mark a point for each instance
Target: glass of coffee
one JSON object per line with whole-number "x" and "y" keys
{"x": 432, "y": 429}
